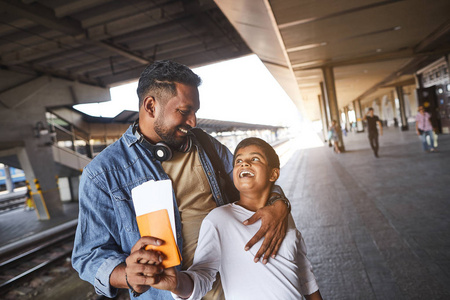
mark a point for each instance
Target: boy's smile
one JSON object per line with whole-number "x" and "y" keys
{"x": 245, "y": 173}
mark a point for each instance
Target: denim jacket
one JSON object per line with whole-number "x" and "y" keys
{"x": 107, "y": 228}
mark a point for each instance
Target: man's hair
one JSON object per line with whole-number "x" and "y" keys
{"x": 270, "y": 154}
{"x": 370, "y": 108}
{"x": 158, "y": 80}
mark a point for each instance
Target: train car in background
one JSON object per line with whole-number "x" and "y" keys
{"x": 17, "y": 175}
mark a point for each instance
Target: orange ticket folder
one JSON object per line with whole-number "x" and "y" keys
{"x": 157, "y": 224}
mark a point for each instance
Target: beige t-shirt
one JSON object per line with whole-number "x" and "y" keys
{"x": 195, "y": 201}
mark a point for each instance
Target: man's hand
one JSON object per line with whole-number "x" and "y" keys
{"x": 273, "y": 229}
{"x": 142, "y": 267}
{"x": 168, "y": 280}
{"x": 176, "y": 282}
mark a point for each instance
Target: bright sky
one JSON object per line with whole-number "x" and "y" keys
{"x": 241, "y": 90}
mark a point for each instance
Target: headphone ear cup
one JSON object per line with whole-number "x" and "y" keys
{"x": 162, "y": 152}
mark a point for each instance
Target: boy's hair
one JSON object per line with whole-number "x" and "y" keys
{"x": 370, "y": 108}
{"x": 271, "y": 156}
{"x": 160, "y": 77}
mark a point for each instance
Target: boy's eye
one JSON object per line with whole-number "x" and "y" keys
{"x": 255, "y": 159}
{"x": 238, "y": 161}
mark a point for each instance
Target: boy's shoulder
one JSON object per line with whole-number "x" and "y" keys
{"x": 220, "y": 211}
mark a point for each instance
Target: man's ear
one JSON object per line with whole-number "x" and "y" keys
{"x": 275, "y": 173}
{"x": 149, "y": 105}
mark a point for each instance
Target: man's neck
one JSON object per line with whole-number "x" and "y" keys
{"x": 146, "y": 129}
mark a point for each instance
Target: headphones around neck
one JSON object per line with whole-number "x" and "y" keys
{"x": 161, "y": 151}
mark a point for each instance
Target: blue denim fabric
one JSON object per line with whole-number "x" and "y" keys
{"x": 423, "y": 137}
{"x": 107, "y": 228}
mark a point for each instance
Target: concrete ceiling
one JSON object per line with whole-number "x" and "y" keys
{"x": 105, "y": 42}
{"x": 369, "y": 43}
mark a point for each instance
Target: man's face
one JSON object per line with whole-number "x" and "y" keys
{"x": 371, "y": 113}
{"x": 251, "y": 170}
{"x": 177, "y": 116}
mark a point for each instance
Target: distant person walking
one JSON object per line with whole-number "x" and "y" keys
{"x": 372, "y": 122}
{"x": 424, "y": 128}
{"x": 333, "y": 136}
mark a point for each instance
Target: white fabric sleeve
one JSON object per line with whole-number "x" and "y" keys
{"x": 308, "y": 283}
{"x": 206, "y": 262}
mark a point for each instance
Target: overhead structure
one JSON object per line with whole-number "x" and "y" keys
{"x": 367, "y": 43}
{"x": 104, "y": 42}
{"x": 63, "y": 52}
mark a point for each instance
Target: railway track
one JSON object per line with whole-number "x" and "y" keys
{"x": 12, "y": 201}
{"x": 24, "y": 265}
{"x": 7, "y": 205}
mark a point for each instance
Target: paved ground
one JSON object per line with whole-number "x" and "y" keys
{"x": 375, "y": 228}
{"x": 19, "y": 223}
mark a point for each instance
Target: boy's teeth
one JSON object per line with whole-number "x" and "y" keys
{"x": 246, "y": 174}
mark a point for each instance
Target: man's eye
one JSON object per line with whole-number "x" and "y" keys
{"x": 183, "y": 112}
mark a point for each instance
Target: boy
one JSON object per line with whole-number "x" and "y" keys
{"x": 220, "y": 248}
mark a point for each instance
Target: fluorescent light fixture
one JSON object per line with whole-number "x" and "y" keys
{"x": 309, "y": 63}
{"x": 306, "y": 47}
{"x": 308, "y": 77}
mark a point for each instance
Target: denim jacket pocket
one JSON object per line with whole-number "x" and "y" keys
{"x": 125, "y": 208}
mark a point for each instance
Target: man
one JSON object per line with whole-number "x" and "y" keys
{"x": 108, "y": 250}
{"x": 424, "y": 128}
{"x": 372, "y": 122}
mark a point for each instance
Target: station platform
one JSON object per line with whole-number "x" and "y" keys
{"x": 375, "y": 228}
{"x": 19, "y": 224}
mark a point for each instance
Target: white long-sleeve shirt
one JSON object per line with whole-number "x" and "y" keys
{"x": 221, "y": 249}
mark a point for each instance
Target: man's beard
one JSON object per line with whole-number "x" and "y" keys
{"x": 168, "y": 135}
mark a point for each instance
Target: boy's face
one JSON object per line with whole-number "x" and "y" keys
{"x": 251, "y": 170}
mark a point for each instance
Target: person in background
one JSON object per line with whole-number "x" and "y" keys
{"x": 424, "y": 129}
{"x": 333, "y": 136}
{"x": 288, "y": 276}
{"x": 372, "y": 121}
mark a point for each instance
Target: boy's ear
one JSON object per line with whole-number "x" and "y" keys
{"x": 275, "y": 173}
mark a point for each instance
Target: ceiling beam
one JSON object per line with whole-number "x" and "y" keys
{"x": 41, "y": 15}
{"x": 411, "y": 64}
{"x": 337, "y": 14}
{"x": 46, "y": 17}
{"x": 437, "y": 35}
{"x": 380, "y": 57}
{"x": 409, "y": 81}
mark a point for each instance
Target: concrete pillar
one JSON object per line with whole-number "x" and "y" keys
{"x": 401, "y": 101}
{"x": 325, "y": 105}
{"x": 323, "y": 116}
{"x": 36, "y": 159}
{"x": 74, "y": 183}
{"x": 347, "y": 121}
{"x": 331, "y": 97}
{"x": 8, "y": 179}
{"x": 358, "y": 115}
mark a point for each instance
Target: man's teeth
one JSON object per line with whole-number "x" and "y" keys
{"x": 183, "y": 130}
{"x": 246, "y": 174}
